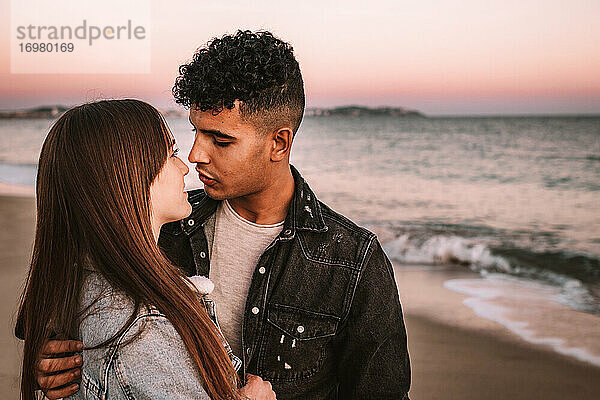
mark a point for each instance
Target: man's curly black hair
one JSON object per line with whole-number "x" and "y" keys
{"x": 255, "y": 68}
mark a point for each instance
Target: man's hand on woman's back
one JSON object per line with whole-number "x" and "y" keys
{"x": 59, "y": 369}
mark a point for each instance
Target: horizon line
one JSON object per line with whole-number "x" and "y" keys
{"x": 423, "y": 114}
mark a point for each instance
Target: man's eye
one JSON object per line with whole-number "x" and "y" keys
{"x": 222, "y": 144}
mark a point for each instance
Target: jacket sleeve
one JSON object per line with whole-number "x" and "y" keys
{"x": 371, "y": 346}
{"x": 156, "y": 365}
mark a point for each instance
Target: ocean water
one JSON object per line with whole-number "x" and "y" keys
{"x": 515, "y": 196}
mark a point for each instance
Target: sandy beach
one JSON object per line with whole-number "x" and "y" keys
{"x": 17, "y": 218}
{"x": 454, "y": 354}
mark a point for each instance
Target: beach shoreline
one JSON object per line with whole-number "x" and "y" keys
{"x": 501, "y": 307}
{"x": 454, "y": 353}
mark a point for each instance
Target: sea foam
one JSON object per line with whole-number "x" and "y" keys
{"x": 474, "y": 253}
{"x": 440, "y": 249}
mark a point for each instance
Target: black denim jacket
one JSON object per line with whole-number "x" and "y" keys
{"x": 322, "y": 318}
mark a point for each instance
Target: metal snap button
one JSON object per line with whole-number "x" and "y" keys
{"x": 255, "y": 310}
{"x": 262, "y": 270}
{"x": 191, "y": 222}
{"x": 202, "y": 254}
{"x": 287, "y": 232}
{"x": 300, "y": 329}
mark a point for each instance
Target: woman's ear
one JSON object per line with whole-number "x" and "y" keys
{"x": 281, "y": 144}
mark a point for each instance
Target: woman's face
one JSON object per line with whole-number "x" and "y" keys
{"x": 168, "y": 199}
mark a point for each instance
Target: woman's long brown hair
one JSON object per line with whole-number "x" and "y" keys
{"x": 93, "y": 202}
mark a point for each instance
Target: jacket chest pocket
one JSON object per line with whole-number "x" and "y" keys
{"x": 294, "y": 343}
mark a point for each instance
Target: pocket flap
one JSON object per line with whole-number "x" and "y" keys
{"x": 302, "y": 324}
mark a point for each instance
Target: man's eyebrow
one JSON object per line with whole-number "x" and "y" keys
{"x": 217, "y": 133}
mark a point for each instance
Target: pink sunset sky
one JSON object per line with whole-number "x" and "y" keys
{"x": 439, "y": 57}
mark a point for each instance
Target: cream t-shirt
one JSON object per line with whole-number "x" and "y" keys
{"x": 237, "y": 245}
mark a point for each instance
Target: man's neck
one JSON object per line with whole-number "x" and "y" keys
{"x": 269, "y": 206}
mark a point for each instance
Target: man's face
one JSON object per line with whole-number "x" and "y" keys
{"x": 232, "y": 158}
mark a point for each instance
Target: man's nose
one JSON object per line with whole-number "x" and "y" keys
{"x": 198, "y": 153}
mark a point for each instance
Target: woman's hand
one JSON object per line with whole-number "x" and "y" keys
{"x": 257, "y": 389}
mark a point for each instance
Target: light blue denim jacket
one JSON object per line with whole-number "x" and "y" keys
{"x": 155, "y": 365}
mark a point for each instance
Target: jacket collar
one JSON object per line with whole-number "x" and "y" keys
{"x": 304, "y": 213}
{"x": 202, "y": 208}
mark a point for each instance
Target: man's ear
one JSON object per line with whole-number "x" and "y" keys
{"x": 281, "y": 143}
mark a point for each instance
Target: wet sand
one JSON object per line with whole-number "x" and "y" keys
{"x": 481, "y": 361}
{"x": 452, "y": 363}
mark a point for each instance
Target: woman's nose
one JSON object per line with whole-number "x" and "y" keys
{"x": 183, "y": 167}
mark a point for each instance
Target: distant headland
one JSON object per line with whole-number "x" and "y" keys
{"x": 37, "y": 112}
{"x": 359, "y": 111}
{"x": 346, "y": 111}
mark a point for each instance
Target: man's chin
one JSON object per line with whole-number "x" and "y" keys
{"x": 214, "y": 194}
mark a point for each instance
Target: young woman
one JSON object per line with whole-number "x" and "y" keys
{"x": 108, "y": 179}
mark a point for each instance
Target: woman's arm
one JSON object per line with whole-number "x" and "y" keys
{"x": 156, "y": 364}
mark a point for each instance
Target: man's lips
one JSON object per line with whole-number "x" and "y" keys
{"x": 207, "y": 180}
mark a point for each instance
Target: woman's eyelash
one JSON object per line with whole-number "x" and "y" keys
{"x": 175, "y": 152}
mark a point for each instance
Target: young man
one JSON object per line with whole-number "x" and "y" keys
{"x": 305, "y": 297}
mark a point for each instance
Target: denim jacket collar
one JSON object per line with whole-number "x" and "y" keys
{"x": 304, "y": 213}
